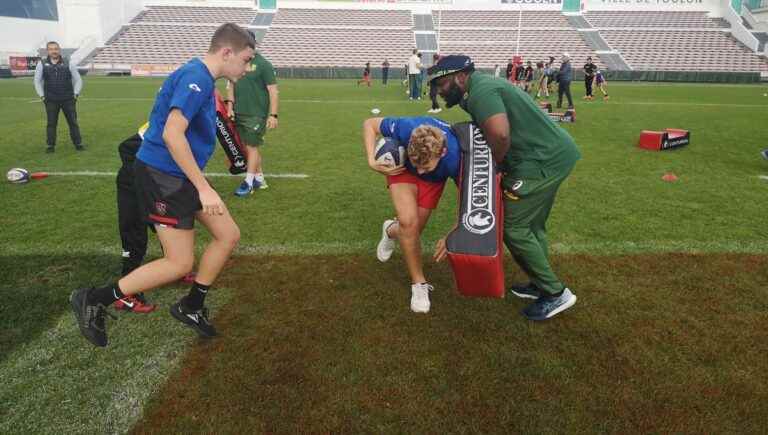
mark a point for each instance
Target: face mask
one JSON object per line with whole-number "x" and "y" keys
{"x": 454, "y": 96}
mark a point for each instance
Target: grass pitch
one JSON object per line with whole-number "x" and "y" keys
{"x": 317, "y": 335}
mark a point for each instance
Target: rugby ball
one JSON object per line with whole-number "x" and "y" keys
{"x": 389, "y": 152}
{"x": 17, "y": 175}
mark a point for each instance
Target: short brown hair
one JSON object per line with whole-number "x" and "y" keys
{"x": 232, "y": 35}
{"x": 427, "y": 142}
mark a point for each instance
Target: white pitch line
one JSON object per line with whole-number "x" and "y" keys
{"x": 207, "y": 174}
{"x": 763, "y": 177}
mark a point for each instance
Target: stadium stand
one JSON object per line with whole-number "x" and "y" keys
{"x": 498, "y": 19}
{"x": 338, "y": 37}
{"x": 674, "y": 41}
{"x": 655, "y": 19}
{"x": 326, "y": 37}
{"x": 490, "y": 37}
{"x": 678, "y": 50}
{"x": 203, "y": 15}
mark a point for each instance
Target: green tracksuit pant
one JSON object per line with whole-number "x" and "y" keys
{"x": 527, "y": 203}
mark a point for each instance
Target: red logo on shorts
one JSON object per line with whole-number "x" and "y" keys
{"x": 161, "y": 208}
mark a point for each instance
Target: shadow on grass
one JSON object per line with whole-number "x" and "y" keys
{"x": 656, "y": 343}
{"x": 34, "y": 291}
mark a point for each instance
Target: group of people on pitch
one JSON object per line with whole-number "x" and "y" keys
{"x": 534, "y": 154}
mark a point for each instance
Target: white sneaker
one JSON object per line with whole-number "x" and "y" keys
{"x": 386, "y": 244}
{"x": 438, "y": 110}
{"x": 420, "y": 297}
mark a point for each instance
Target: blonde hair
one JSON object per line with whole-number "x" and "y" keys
{"x": 427, "y": 142}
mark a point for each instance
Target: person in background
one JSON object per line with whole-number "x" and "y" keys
{"x": 58, "y": 83}
{"x": 528, "y": 77}
{"x": 552, "y": 78}
{"x": 366, "y": 75}
{"x": 384, "y": 72}
{"x": 414, "y": 72}
{"x": 600, "y": 82}
{"x": 589, "y": 78}
{"x": 564, "y": 78}
{"x": 433, "y": 91}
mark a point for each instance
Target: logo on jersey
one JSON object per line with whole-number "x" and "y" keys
{"x": 161, "y": 208}
{"x": 194, "y": 87}
{"x": 479, "y": 218}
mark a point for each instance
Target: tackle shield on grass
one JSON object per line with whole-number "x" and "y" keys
{"x": 229, "y": 139}
{"x": 475, "y": 244}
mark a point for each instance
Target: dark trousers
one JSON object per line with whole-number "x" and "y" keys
{"x": 384, "y": 75}
{"x": 52, "y": 111}
{"x": 588, "y": 85}
{"x": 433, "y": 97}
{"x": 564, "y": 87}
{"x": 133, "y": 229}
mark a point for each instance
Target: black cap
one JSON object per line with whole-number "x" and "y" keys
{"x": 450, "y": 64}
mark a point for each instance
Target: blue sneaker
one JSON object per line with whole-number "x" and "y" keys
{"x": 764, "y": 153}
{"x": 526, "y": 291}
{"x": 245, "y": 189}
{"x": 549, "y": 306}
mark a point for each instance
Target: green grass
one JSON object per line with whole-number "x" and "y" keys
{"x": 318, "y": 336}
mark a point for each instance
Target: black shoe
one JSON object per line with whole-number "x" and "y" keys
{"x": 79, "y": 147}
{"x": 90, "y": 318}
{"x": 197, "y": 320}
{"x": 50, "y": 149}
{"x": 527, "y": 291}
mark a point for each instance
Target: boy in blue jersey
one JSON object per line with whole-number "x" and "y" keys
{"x": 433, "y": 157}
{"x": 173, "y": 192}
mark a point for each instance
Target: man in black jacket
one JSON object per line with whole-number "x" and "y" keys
{"x": 589, "y": 77}
{"x": 58, "y": 84}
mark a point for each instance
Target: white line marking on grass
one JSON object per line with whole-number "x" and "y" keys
{"x": 763, "y": 177}
{"x": 207, "y": 174}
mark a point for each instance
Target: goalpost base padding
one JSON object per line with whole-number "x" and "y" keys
{"x": 475, "y": 244}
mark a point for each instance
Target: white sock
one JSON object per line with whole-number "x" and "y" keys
{"x": 259, "y": 176}
{"x": 249, "y": 177}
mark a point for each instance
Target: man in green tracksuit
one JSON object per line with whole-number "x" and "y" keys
{"x": 253, "y": 103}
{"x": 534, "y": 154}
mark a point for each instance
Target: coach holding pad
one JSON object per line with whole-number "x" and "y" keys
{"x": 534, "y": 154}
{"x": 58, "y": 84}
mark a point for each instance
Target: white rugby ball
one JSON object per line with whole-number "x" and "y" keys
{"x": 17, "y": 175}
{"x": 375, "y": 111}
{"x": 389, "y": 152}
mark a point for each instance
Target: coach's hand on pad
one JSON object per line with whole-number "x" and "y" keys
{"x": 440, "y": 250}
{"x": 386, "y": 169}
{"x": 212, "y": 203}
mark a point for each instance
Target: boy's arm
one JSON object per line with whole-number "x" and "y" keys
{"x": 176, "y": 141}
{"x": 371, "y": 128}
{"x": 230, "y": 100}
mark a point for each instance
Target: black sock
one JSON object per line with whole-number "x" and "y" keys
{"x": 105, "y": 295}
{"x": 196, "y": 297}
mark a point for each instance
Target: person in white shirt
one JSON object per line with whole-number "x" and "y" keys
{"x": 414, "y": 71}
{"x": 497, "y": 71}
